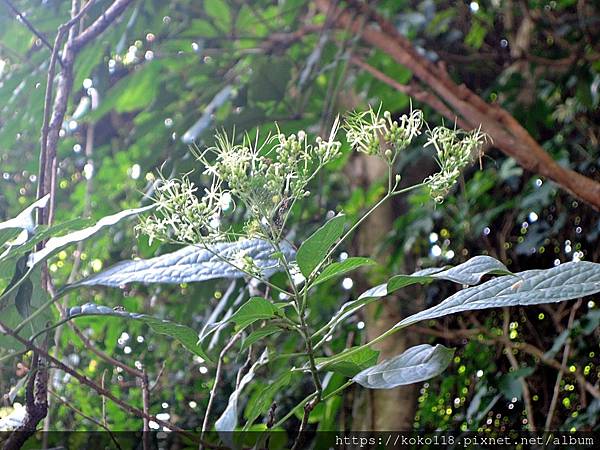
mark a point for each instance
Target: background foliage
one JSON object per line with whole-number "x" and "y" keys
{"x": 169, "y": 73}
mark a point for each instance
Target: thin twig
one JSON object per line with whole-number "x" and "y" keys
{"x": 515, "y": 365}
{"x": 146, "y": 409}
{"x": 563, "y": 364}
{"x": 213, "y": 391}
{"x": 69, "y": 405}
{"x": 87, "y": 382}
{"x": 28, "y": 24}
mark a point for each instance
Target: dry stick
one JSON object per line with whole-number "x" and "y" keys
{"x": 87, "y": 382}
{"x": 565, "y": 358}
{"x": 515, "y": 365}
{"x": 213, "y": 390}
{"x": 307, "y": 410}
{"x": 68, "y": 404}
{"x": 146, "y": 408}
{"x": 102, "y": 384}
{"x": 508, "y": 135}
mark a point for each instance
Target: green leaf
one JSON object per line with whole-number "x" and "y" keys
{"x": 416, "y": 364}
{"x": 23, "y": 298}
{"x": 218, "y": 10}
{"x": 270, "y": 79}
{"x": 190, "y": 264}
{"x": 338, "y": 268}
{"x": 510, "y": 384}
{"x": 185, "y": 335}
{"x": 259, "y": 404}
{"x": 257, "y": 308}
{"x": 228, "y": 420}
{"x": 259, "y": 334}
{"x": 23, "y": 221}
{"x": 24, "y": 304}
{"x": 468, "y": 273}
{"x": 314, "y": 250}
{"x": 532, "y": 287}
{"x": 56, "y": 244}
{"x": 130, "y": 93}
{"x": 350, "y": 365}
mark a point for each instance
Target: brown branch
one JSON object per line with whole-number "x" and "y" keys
{"x": 69, "y": 405}
{"x": 412, "y": 90}
{"x": 507, "y": 134}
{"x": 100, "y": 24}
{"x": 87, "y": 382}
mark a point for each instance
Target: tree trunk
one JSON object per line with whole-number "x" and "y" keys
{"x": 385, "y": 409}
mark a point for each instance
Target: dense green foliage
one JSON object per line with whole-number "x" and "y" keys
{"x": 171, "y": 73}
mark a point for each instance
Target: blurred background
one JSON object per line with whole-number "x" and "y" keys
{"x": 168, "y": 74}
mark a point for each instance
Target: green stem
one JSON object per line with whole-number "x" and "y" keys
{"x": 291, "y": 412}
{"x": 38, "y": 311}
{"x": 342, "y": 388}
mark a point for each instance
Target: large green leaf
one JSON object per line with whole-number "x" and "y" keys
{"x": 350, "y": 365}
{"x": 532, "y": 287}
{"x": 257, "y": 308}
{"x": 229, "y": 419}
{"x": 56, "y": 244}
{"x": 182, "y": 333}
{"x": 190, "y": 264}
{"x": 468, "y": 273}
{"x": 416, "y": 364}
{"x": 23, "y": 221}
{"x": 313, "y": 250}
{"x": 339, "y": 268}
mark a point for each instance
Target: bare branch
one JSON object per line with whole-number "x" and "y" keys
{"x": 28, "y": 24}
{"x": 100, "y": 24}
{"x": 507, "y": 134}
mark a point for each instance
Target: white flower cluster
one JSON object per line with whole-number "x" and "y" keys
{"x": 454, "y": 151}
{"x": 181, "y": 214}
{"x": 369, "y": 133}
{"x": 267, "y": 178}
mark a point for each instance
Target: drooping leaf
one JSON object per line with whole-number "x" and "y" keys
{"x": 313, "y": 250}
{"x": 190, "y": 264}
{"x": 270, "y": 79}
{"x": 532, "y": 287}
{"x": 416, "y": 364}
{"x": 182, "y": 333}
{"x": 260, "y": 403}
{"x": 56, "y": 244}
{"x": 259, "y": 334}
{"x": 350, "y": 365}
{"x": 23, "y": 298}
{"x": 339, "y": 268}
{"x": 469, "y": 273}
{"x": 43, "y": 233}
{"x": 257, "y": 308}
{"x": 23, "y": 221}
{"x": 22, "y": 304}
{"x": 229, "y": 419}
